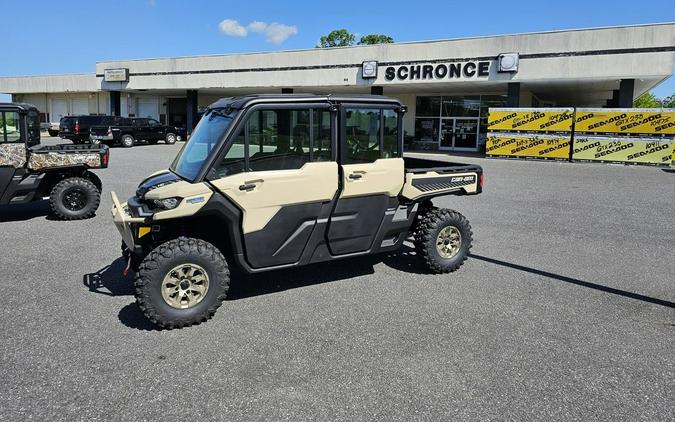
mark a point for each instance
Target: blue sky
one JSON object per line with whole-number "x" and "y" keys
{"x": 51, "y": 37}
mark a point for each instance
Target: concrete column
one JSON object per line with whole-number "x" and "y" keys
{"x": 614, "y": 101}
{"x": 626, "y": 90}
{"x": 191, "y": 109}
{"x": 286, "y": 90}
{"x": 377, "y": 90}
{"x": 115, "y": 106}
{"x": 513, "y": 94}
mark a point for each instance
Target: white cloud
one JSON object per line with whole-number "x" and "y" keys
{"x": 232, "y": 28}
{"x": 257, "y": 26}
{"x": 276, "y": 33}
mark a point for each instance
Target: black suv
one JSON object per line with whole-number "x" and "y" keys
{"x": 76, "y": 128}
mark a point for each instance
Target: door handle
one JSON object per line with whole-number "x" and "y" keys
{"x": 355, "y": 176}
{"x": 249, "y": 185}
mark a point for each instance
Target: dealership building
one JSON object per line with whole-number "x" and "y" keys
{"x": 448, "y": 85}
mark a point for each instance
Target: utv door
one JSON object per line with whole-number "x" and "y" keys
{"x": 372, "y": 176}
{"x": 279, "y": 170}
{"x": 12, "y": 149}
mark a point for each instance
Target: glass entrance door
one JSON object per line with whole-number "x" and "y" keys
{"x": 459, "y": 134}
{"x": 447, "y": 129}
{"x": 466, "y": 135}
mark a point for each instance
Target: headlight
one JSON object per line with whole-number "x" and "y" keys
{"x": 166, "y": 204}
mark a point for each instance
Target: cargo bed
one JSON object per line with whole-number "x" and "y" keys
{"x": 427, "y": 178}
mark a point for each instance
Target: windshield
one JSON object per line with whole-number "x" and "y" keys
{"x": 203, "y": 140}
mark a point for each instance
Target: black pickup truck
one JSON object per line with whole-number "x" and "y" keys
{"x": 30, "y": 171}
{"x": 126, "y": 131}
{"x": 76, "y": 128}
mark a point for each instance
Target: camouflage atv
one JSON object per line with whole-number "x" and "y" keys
{"x": 30, "y": 171}
{"x": 269, "y": 182}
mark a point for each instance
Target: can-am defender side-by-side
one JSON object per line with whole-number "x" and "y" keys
{"x": 277, "y": 181}
{"x": 30, "y": 171}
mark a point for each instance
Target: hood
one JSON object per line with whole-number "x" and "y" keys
{"x": 156, "y": 181}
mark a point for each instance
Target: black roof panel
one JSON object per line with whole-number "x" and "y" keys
{"x": 19, "y": 106}
{"x": 243, "y": 101}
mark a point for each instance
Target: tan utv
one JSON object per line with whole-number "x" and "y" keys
{"x": 280, "y": 181}
{"x": 30, "y": 171}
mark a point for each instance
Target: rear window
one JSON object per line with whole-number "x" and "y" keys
{"x": 90, "y": 120}
{"x": 67, "y": 121}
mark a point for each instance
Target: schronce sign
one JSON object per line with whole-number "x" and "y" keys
{"x": 438, "y": 71}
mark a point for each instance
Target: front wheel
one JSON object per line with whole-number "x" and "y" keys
{"x": 443, "y": 239}
{"x": 127, "y": 141}
{"x": 74, "y": 198}
{"x": 170, "y": 138}
{"x": 182, "y": 282}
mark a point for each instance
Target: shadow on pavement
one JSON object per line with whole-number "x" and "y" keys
{"x": 406, "y": 260}
{"x": 576, "y": 281}
{"x": 132, "y": 316}
{"x": 109, "y": 280}
{"x": 243, "y": 286}
{"x": 23, "y": 212}
{"x": 668, "y": 170}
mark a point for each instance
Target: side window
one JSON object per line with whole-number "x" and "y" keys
{"x": 362, "y": 126}
{"x": 234, "y": 160}
{"x": 390, "y": 148}
{"x": 321, "y": 145}
{"x": 278, "y": 139}
{"x": 152, "y": 122}
{"x": 10, "y": 130}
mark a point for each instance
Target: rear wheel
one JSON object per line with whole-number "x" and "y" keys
{"x": 127, "y": 141}
{"x": 182, "y": 282}
{"x": 170, "y": 138}
{"x": 443, "y": 239}
{"x": 53, "y": 132}
{"x": 74, "y": 198}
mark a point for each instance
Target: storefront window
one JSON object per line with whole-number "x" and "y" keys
{"x": 426, "y": 130}
{"x": 461, "y": 106}
{"x": 428, "y": 106}
{"x": 458, "y": 116}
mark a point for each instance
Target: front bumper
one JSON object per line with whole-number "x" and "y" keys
{"x": 124, "y": 221}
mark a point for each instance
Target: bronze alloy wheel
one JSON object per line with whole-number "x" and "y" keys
{"x": 448, "y": 242}
{"x": 185, "y": 286}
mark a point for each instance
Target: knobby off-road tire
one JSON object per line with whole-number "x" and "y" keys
{"x": 424, "y": 209}
{"x": 182, "y": 282}
{"x": 74, "y": 198}
{"x": 127, "y": 141}
{"x": 443, "y": 239}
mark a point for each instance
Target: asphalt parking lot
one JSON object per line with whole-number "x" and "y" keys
{"x": 564, "y": 311}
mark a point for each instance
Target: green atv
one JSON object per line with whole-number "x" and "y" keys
{"x": 30, "y": 171}
{"x": 280, "y": 181}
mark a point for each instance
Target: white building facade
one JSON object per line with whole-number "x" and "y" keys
{"x": 448, "y": 85}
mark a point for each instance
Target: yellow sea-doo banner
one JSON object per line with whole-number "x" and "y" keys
{"x": 531, "y": 119}
{"x": 524, "y": 145}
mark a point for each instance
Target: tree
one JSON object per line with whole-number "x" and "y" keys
{"x": 669, "y": 102}
{"x": 337, "y": 38}
{"x": 375, "y": 39}
{"x": 647, "y": 100}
